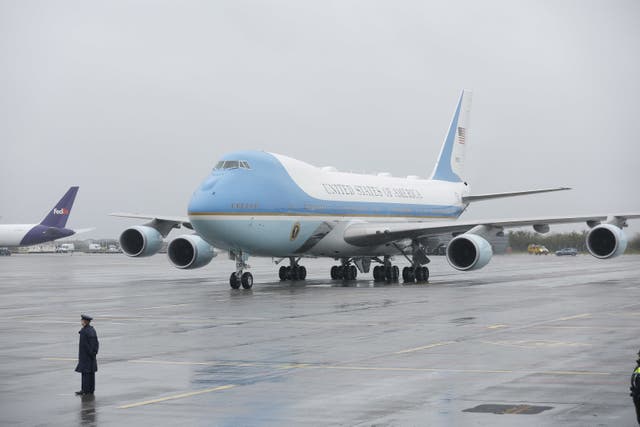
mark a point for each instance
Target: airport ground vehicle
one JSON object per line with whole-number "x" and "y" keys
{"x": 255, "y": 203}
{"x": 66, "y": 248}
{"x": 534, "y": 249}
{"x": 567, "y": 251}
{"x": 5, "y": 252}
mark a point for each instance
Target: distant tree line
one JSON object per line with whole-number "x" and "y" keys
{"x": 520, "y": 240}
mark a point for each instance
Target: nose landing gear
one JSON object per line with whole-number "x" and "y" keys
{"x": 241, "y": 277}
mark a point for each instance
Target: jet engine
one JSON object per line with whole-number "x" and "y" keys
{"x": 190, "y": 251}
{"x": 469, "y": 252}
{"x": 606, "y": 241}
{"x": 140, "y": 241}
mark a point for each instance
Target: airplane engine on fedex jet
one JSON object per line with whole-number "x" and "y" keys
{"x": 606, "y": 241}
{"x": 140, "y": 241}
{"x": 190, "y": 251}
{"x": 468, "y": 252}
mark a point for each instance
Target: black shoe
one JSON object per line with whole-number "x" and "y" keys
{"x": 79, "y": 393}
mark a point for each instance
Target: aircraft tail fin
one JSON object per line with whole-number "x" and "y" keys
{"x": 450, "y": 165}
{"x": 58, "y": 216}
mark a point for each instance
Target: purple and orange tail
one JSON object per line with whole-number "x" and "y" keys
{"x": 58, "y": 216}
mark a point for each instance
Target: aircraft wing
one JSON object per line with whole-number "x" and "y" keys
{"x": 84, "y": 230}
{"x": 162, "y": 223}
{"x": 378, "y": 233}
{"x": 489, "y": 196}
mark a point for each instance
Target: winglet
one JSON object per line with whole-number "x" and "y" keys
{"x": 58, "y": 216}
{"x": 450, "y": 165}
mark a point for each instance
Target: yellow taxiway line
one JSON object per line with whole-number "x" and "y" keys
{"x": 308, "y": 366}
{"x": 302, "y": 366}
{"x": 424, "y": 347}
{"x": 177, "y": 396}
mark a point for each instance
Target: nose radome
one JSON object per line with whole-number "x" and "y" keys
{"x": 209, "y": 183}
{"x": 200, "y": 198}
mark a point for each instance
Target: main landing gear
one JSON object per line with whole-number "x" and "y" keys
{"x": 386, "y": 272}
{"x": 415, "y": 274}
{"x": 241, "y": 277}
{"x": 345, "y": 271}
{"x": 292, "y": 271}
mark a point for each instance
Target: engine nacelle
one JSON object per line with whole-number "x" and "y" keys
{"x": 140, "y": 241}
{"x": 469, "y": 252}
{"x": 606, "y": 241}
{"x": 190, "y": 251}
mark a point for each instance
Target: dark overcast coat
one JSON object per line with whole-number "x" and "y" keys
{"x": 88, "y": 350}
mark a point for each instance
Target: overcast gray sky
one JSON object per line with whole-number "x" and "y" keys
{"x": 135, "y": 100}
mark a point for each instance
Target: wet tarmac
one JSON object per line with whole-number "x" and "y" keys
{"x": 529, "y": 340}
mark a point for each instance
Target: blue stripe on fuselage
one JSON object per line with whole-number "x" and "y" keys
{"x": 267, "y": 188}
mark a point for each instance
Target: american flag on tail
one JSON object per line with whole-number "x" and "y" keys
{"x": 462, "y": 132}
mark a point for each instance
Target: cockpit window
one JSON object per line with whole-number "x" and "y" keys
{"x": 232, "y": 164}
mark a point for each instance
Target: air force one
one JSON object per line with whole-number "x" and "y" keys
{"x": 52, "y": 227}
{"x": 264, "y": 204}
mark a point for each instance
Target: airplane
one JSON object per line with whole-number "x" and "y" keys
{"x": 52, "y": 227}
{"x": 256, "y": 203}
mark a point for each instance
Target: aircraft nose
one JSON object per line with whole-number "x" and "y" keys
{"x": 209, "y": 183}
{"x": 202, "y": 197}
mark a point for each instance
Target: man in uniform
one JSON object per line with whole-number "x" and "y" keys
{"x": 635, "y": 387}
{"x": 87, "y": 352}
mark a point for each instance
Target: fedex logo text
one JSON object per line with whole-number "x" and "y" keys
{"x": 63, "y": 211}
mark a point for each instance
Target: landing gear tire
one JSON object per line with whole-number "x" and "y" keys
{"x": 408, "y": 275}
{"x": 247, "y": 280}
{"x": 344, "y": 272}
{"x": 234, "y": 282}
{"x": 282, "y": 273}
{"x": 388, "y": 274}
{"x": 422, "y": 274}
{"x": 293, "y": 272}
{"x": 425, "y": 274}
{"x": 353, "y": 272}
{"x": 376, "y": 274}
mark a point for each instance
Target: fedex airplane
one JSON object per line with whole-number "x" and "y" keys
{"x": 52, "y": 227}
{"x": 256, "y": 203}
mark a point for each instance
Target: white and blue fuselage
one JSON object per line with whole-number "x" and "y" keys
{"x": 262, "y": 204}
{"x": 267, "y": 204}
